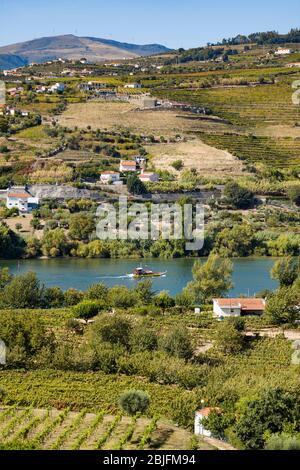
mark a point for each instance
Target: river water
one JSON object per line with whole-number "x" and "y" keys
{"x": 249, "y": 277}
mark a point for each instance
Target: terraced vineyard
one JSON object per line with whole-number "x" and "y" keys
{"x": 29, "y": 428}
{"x": 281, "y": 152}
{"x": 244, "y": 105}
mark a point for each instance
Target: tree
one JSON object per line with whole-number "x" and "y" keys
{"x": 5, "y": 277}
{"x": 88, "y": 309}
{"x": 163, "y": 300}
{"x": 134, "y": 401}
{"x": 211, "y": 279}
{"x": 121, "y": 296}
{"x": 97, "y": 292}
{"x": 135, "y": 185}
{"x": 144, "y": 291}
{"x": 114, "y": 330}
{"x": 72, "y": 297}
{"x": 81, "y": 227}
{"x": 54, "y": 243}
{"x": 229, "y": 339}
{"x": 235, "y": 241}
{"x": 143, "y": 338}
{"x": 53, "y": 297}
{"x": 269, "y": 413}
{"x": 286, "y": 271}
{"x": 293, "y": 193}
{"x": 177, "y": 343}
{"x": 23, "y": 291}
{"x": 24, "y": 335}
{"x": 281, "y": 307}
{"x": 238, "y": 197}
{"x": 11, "y": 245}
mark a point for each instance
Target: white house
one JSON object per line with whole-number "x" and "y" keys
{"x": 127, "y": 165}
{"x": 133, "y": 85}
{"x": 199, "y": 429}
{"x": 109, "y": 177}
{"x": 148, "y": 176}
{"x": 57, "y": 88}
{"x": 281, "y": 51}
{"x": 21, "y": 199}
{"x": 236, "y": 307}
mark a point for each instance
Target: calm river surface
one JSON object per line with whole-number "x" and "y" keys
{"x": 250, "y": 274}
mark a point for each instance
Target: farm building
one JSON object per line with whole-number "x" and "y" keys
{"x": 148, "y": 176}
{"x": 133, "y": 85}
{"x": 127, "y": 165}
{"x": 109, "y": 177}
{"x": 199, "y": 429}
{"x": 19, "y": 198}
{"x": 236, "y": 307}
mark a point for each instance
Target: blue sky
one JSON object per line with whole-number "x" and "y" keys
{"x": 184, "y": 23}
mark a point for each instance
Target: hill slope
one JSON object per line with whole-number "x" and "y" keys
{"x": 72, "y": 47}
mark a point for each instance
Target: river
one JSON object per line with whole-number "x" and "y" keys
{"x": 250, "y": 275}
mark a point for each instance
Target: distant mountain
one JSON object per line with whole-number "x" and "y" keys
{"x": 72, "y": 47}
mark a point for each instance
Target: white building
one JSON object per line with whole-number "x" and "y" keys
{"x": 21, "y": 199}
{"x": 127, "y": 165}
{"x": 223, "y": 308}
{"x": 133, "y": 85}
{"x": 281, "y": 51}
{"x": 109, "y": 177}
{"x": 148, "y": 176}
{"x": 199, "y": 429}
{"x": 57, "y": 88}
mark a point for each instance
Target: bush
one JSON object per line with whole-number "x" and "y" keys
{"x": 143, "y": 339}
{"x": 134, "y": 401}
{"x": 114, "y": 330}
{"x": 282, "y": 442}
{"x": 88, "y": 309}
{"x": 23, "y": 291}
{"x": 72, "y": 297}
{"x": 177, "y": 343}
{"x": 97, "y": 292}
{"x": 177, "y": 164}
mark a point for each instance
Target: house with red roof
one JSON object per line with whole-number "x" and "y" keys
{"x": 127, "y": 165}
{"x": 199, "y": 428}
{"x": 19, "y": 198}
{"x": 236, "y": 307}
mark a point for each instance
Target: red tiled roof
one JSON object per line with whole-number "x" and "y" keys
{"x": 109, "y": 173}
{"x": 205, "y": 411}
{"x": 244, "y": 304}
{"x": 128, "y": 163}
{"x": 19, "y": 195}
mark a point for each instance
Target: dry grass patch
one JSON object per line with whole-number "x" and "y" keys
{"x": 117, "y": 116}
{"x": 195, "y": 154}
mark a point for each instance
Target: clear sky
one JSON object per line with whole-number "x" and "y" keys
{"x": 175, "y": 23}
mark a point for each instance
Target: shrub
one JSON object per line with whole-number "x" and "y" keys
{"x": 282, "y": 442}
{"x": 177, "y": 343}
{"x": 134, "y": 401}
{"x": 88, "y": 308}
{"x": 113, "y": 330}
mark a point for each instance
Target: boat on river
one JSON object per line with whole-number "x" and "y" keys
{"x": 143, "y": 272}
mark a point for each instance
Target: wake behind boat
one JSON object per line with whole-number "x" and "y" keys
{"x": 142, "y": 272}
